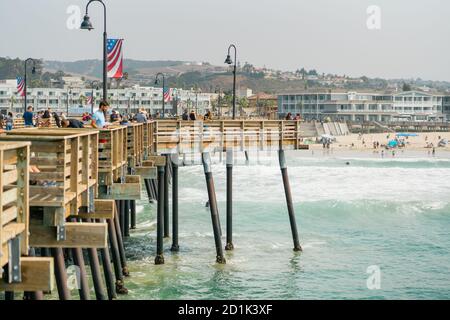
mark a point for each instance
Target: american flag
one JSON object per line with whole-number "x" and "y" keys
{"x": 89, "y": 99}
{"x": 167, "y": 94}
{"x": 115, "y": 66}
{"x": 20, "y": 86}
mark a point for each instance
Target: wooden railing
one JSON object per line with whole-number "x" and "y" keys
{"x": 197, "y": 136}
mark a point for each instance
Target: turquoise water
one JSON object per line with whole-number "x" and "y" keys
{"x": 391, "y": 212}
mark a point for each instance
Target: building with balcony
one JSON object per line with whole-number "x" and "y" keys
{"x": 363, "y": 106}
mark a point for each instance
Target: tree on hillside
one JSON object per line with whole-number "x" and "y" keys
{"x": 406, "y": 87}
{"x": 243, "y": 102}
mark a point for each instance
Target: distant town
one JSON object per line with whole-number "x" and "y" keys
{"x": 200, "y": 86}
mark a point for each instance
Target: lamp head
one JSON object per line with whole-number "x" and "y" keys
{"x": 228, "y": 60}
{"x": 33, "y": 71}
{"x": 86, "y": 24}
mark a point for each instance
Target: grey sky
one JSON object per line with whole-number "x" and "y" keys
{"x": 328, "y": 35}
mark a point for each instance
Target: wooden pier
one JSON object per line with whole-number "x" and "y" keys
{"x": 20, "y": 271}
{"x": 75, "y": 189}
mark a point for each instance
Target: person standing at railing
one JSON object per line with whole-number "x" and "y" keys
{"x": 28, "y": 117}
{"x": 46, "y": 118}
{"x": 57, "y": 119}
{"x": 9, "y": 121}
{"x": 185, "y": 115}
{"x": 98, "y": 118}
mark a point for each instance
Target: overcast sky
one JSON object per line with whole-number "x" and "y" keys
{"x": 329, "y": 35}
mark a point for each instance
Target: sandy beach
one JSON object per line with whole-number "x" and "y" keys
{"x": 366, "y": 141}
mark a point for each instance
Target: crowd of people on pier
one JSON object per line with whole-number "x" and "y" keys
{"x": 101, "y": 118}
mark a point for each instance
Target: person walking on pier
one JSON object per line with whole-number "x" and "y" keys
{"x": 98, "y": 118}
{"x": 28, "y": 117}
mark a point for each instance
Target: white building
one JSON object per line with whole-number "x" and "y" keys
{"x": 363, "y": 106}
{"x": 124, "y": 100}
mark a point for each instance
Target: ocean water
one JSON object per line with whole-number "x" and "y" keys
{"x": 353, "y": 210}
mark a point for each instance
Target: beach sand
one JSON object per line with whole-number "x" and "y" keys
{"x": 365, "y": 141}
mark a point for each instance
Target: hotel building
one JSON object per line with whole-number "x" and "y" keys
{"x": 123, "y": 100}
{"x": 366, "y": 106}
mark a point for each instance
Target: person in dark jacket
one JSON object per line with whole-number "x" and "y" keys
{"x": 28, "y": 117}
{"x": 72, "y": 123}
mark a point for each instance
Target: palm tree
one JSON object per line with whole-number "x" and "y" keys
{"x": 12, "y": 102}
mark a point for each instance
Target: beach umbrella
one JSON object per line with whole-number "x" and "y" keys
{"x": 392, "y": 144}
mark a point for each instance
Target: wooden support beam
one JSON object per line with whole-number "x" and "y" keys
{"x": 130, "y": 190}
{"x": 158, "y": 160}
{"x": 146, "y": 172}
{"x": 104, "y": 209}
{"x": 37, "y": 275}
{"x": 78, "y": 235}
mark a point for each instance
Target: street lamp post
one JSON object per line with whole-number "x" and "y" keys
{"x": 229, "y": 61}
{"x": 196, "y": 101}
{"x": 163, "y": 86}
{"x": 92, "y": 95}
{"x": 87, "y": 25}
{"x": 218, "y": 90}
{"x": 33, "y": 71}
{"x": 69, "y": 92}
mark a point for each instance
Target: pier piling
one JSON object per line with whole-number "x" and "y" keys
{"x": 175, "y": 162}
{"x": 77, "y": 254}
{"x": 119, "y": 237}
{"x": 229, "y": 245}
{"x": 107, "y": 270}
{"x": 60, "y": 274}
{"x": 166, "y": 197}
{"x": 126, "y": 217}
{"x": 96, "y": 274}
{"x": 159, "y": 259}
{"x": 206, "y": 160}
{"x": 118, "y": 269}
{"x": 78, "y": 259}
{"x": 133, "y": 214}
{"x": 287, "y": 191}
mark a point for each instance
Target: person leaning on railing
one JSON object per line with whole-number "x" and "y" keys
{"x": 98, "y": 118}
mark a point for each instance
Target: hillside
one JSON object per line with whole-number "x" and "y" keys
{"x": 207, "y": 77}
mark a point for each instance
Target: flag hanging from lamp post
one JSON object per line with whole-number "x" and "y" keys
{"x": 115, "y": 63}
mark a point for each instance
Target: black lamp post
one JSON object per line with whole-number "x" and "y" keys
{"x": 218, "y": 91}
{"x": 87, "y": 25}
{"x": 163, "y": 86}
{"x": 69, "y": 92}
{"x": 33, "y": 71}
{"x": 92, "y": 95}
{"x": 230, "y": 62}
